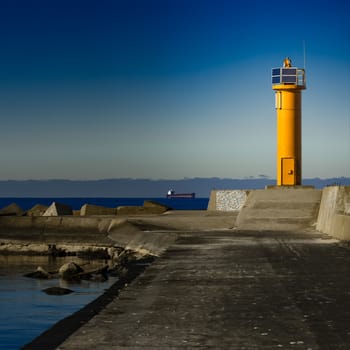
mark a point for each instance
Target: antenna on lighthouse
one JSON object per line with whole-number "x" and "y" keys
{"x": 304, "y": 54}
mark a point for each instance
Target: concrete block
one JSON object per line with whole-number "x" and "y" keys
{"x": 327, "y": 209}
{"x": 341, "y": 227}
{"x": 148, "y": 208}
{"x": 37, "y": 210}
{"x": 333, "y": 217}
{"x": 156, "y": 208}
{"x": 57, "y": 209}
{"x": 12, "y": 210}
{"x": 279, "y": 209}
{"x": 131, "y": 210}
{"x": 90, "y": 209}
{"x": 227, "y": 200}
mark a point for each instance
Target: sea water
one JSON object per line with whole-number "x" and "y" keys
{"x": 27, "y": 311}
{"x": 77, "y": 203}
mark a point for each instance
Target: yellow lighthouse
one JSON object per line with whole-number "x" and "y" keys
{"x": 288, "y": 82}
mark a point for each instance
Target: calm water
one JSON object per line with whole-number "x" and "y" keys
{"x": 77, "y": 203}
{"x": 26, "y": 311}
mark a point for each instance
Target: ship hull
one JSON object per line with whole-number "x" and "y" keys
{"x": 181, "y": 195}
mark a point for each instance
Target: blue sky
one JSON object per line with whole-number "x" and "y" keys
{"x": 167, "y": 89}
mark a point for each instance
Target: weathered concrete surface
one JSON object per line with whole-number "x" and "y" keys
{"x": 341, "y": 227}
{"x": 188, "y": 220}
{"x": 280, "y": 208}
{"x": 148, "y": 208}
{"x": 57, "y": 209}
{"x": 227, "y": 200}
{"x": 90, "y": 209}
{"x": 11, "y": 210}
{"x": 37, "y": 210}
{"x": 67, "y": 234}
{"x": 231, "y": 290}
{"x": 212, "y": 286}
{"x": 334, "y": 214}
{"x": 71, "y": 234}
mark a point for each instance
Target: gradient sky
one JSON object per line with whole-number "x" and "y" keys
{"x": 169, "y": 88}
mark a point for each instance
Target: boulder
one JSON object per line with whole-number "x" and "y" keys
{"x": 69, "y": 270}
{"x": 57, "y": 209}
{"x": 40, "y": 273}
{"x": 57, "y": 291}
{"x": 11, "y": 210}
{"x": 37, "y": 210}
{"x": 90, "y": 209}
{"x": 99, "y": 277}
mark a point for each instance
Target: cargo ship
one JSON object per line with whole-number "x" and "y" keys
{"x": 172, "y": 194}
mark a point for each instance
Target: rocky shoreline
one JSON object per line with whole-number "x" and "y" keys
{"x": 54, "y": 336}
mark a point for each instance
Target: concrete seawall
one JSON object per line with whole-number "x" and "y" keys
{"x": 70, "y": 234}
{"x": 334, "y": 213}
{"x": 260, "y": 210}
{"x": 146, "y": 234}
{"x": 286, "y": 208}
{"x": 215, "y": 284}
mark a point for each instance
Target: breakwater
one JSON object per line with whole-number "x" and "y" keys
{"x": 272, "y": 212}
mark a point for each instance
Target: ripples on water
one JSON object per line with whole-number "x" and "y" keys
{"x": 26, "y": 311}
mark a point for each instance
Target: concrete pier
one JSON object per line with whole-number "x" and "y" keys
{"x": 259, "y": 278}
{"x": 230, "y": 290}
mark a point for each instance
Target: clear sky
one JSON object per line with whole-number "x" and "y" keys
{"x": 169, "y": 88}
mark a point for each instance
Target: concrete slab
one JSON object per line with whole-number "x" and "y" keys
{"x": 11, "y": 210}
{"x": 229, "y": 290}
{"x": 227, "y": 200}
{"x": 58, "y": 209}
{"x": 334, "y": 214}
{"x": 90, "y": 209}
{"x": 280, "y": 209}
{"x": 37, "y": 210}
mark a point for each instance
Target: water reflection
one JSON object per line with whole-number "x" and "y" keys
{"x": 26, "y": 311}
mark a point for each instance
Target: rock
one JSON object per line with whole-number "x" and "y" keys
{"x": 39, "y": 273}
{"x": 57, "y": 291}
{"x": 99, "y": 277}
{"x": 90, "y": 209}
{"x": 94, "y": 253}
{"x": 11, "y": 210}
{"x": 68, "y": 270}
{"x": 52, "y": 250}
{"x": 56, "y": 209}
{"x": 37, "y": 210}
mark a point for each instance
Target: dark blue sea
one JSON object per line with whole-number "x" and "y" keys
{"x": 77, "y": 203}
{"x": 26, "y": 311}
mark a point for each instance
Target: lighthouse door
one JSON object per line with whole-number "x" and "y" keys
{"x": 288, "y": 172}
